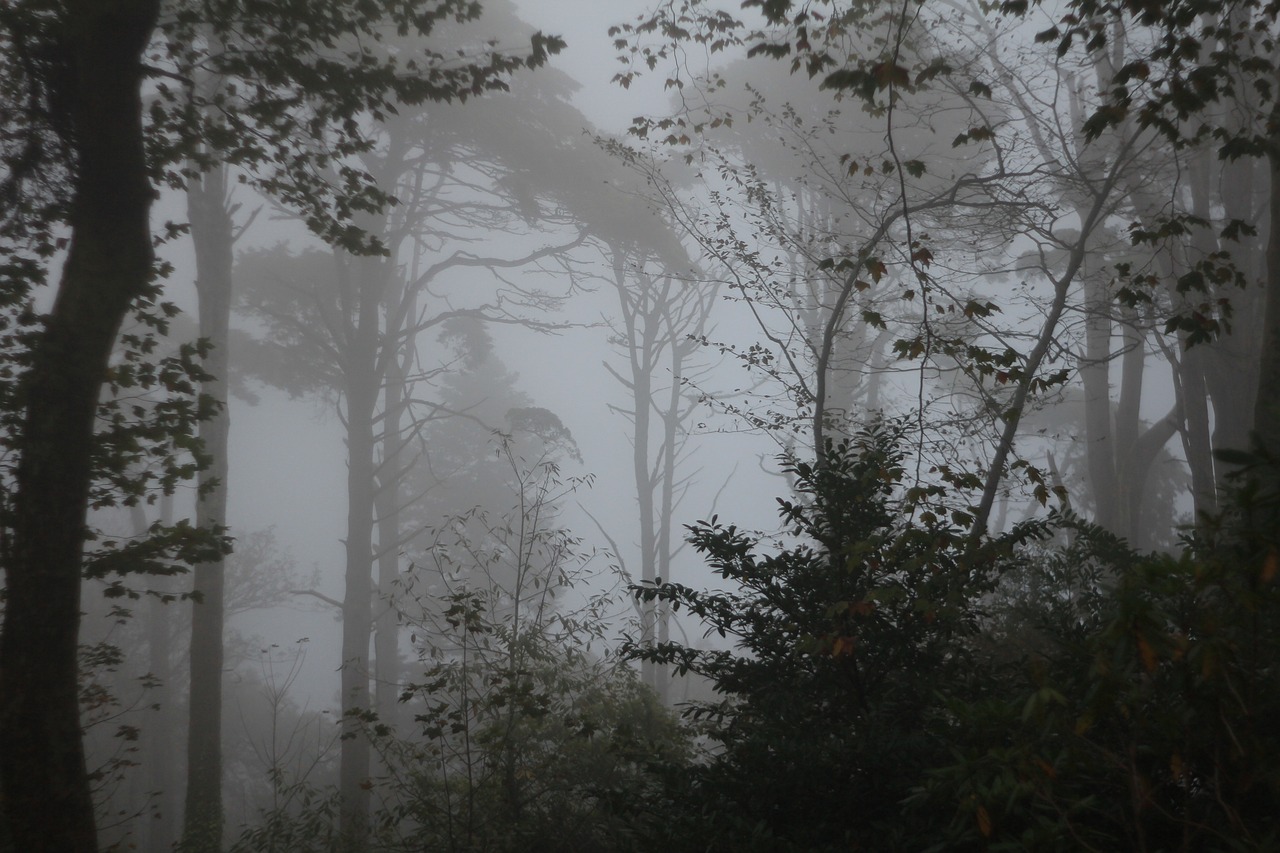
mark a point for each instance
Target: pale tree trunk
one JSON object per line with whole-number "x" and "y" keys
{"x": 46, "y": 795}
{"x": 659, "y": 315}
{"x": 671, "y": 418}
{"x": 642, "y": 391}
{"x": 161, "y": 744}
{"x": 213, "y": 238}
{"x": 640, "y": 335}
{"x": 1130, "y": 479}
{"x": 367, "y": 350}
{"x": 1095, "y": 370}
{"x": 362, "y": 389}
{"x": 388, "y": 503}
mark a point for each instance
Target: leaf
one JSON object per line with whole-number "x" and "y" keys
{"x": 984, "y": 822}
{"x": 877, "y": 268}
{"x": 1270, "y": 566}
{"x": 1047, "y": 35}
{"x": 843, "y": 647}
{"x": 1150, "y": 660}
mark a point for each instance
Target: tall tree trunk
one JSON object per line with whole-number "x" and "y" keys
{"x": 666, "y": 509}
{"x": 1095, "y": 373}
{"x": 645, "y": 491}
{"x": 47, "y": 801}
{"x": 362, "y": 389}
{"x": 212, "y": 235}
{"x": 1244, "y": 195}
{"x": 1130, "y": 479}
{"x": 390, "y": 473}
{"x": 1266, "y": 417}
{"x": 159, "y": 743}
{"x": 1196, "y": 440}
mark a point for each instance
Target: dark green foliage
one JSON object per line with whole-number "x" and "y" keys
{"x": 1137, "y": 706}
{"x": 844, "y": 640}
{"x": 887, "y": 690}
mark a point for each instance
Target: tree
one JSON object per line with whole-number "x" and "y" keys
{"x": 663, "y": 318}
{"x": 213, "y": 236}
{"x": 348, "y": 326}
{"x": 1124, "y": 694}
{"x": 1152, "y": 98}
{"x": 78, "y": 67}
{"x": 800, "y": 208}
{"x": 76, "y": 154}
{"x": 846, "y": 640}
{"x": 523, "y": 736}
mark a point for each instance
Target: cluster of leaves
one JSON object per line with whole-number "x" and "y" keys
{"x": 296, "y": 84}
{"x": 526, "y": 741}
{"x": 1135, "y": 699}
{"x": 1170, "y": 86}
{"x": 894, "y": 687}
{"x": 145, "y": 445}
{"x": 842, "y": 639}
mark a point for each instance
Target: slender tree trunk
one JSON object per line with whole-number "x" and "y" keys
{"x": 159, "y": 742}
{"x": 46, "y": 794}
{"x": 645, "y": 488}
{"x": 1198, "y": 447}
{"x": 212, "y": 234}
{"x": 388, "y": 506}
{"x": 1095, "y": 373}
{"x": 162, "y": 780}
{"x": 666, "y": 509}
{"x": 1130, "y": 480}
{"x": 362, "y": 388}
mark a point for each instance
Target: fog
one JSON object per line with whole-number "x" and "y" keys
{"x": 576, "y": 411}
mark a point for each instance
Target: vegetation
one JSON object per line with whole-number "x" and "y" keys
{"x": 888, "y": 690}
{"x": 972, "y": 267}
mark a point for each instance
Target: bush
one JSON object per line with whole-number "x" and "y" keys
{"x": 1139, "y": 712}
{"x": 845, "y": 641}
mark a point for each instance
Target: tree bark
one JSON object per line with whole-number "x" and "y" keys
{"x": 46, "y": 792}
{"x": 362, "y": 389}
{"x": 388, "y": 506}
{"x": 212, "y": 234}
{"x": 1266, "y": 414}
{"x": 1095, "y": 374}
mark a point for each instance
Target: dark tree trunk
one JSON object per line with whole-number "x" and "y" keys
{"x": 46, "y": 792}
{"x": 212, "y": 234}
{"x": 1266, "y": 417}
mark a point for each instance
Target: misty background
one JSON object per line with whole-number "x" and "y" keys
{"x": 894, "y": 297}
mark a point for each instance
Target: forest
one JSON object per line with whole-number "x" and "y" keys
{"x": 546, "y": 425}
